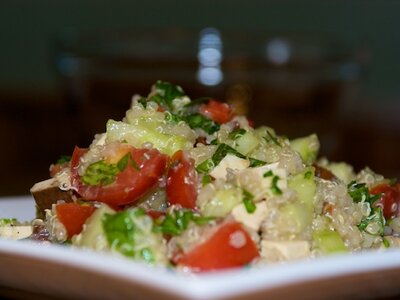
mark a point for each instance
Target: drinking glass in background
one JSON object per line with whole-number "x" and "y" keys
{"x": 295, "y": 84}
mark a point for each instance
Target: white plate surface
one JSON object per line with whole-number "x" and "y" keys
{"x": 78, "y": 274}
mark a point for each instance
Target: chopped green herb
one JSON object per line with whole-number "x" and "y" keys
{"x": 374, "y": 223}
{"x": 166, "y": 93}
{"x": 214, "y": 142}
{"x": 123, "y": 162}
{"x": 248, "y": 201}
{"x": 100, "y": 173}
{"x": 134, "y": 165}
{"x": 174, "y": 118}
{"x": 120, "y": 231}
{"x": 8, "y": 221}
{"x": 219, "y": 154}
{"x": 308, "y": 175}
{"x": 269, "y": 173}
{"x": 206, "y": 179}
{"x": 199, "y": 121}
{"x": 198, "y": 101}
{"x": 272, "y": 138}
{"x": 359, "y": 192}
{"x": 386, "y": 242}
{"x": 237, "y": 133}
{"x": 143, "y": 101}
{"x": 274, "y": 186}
{"x": 256, "y": 162}
{"x": 147, "y": 255}
{"x": 222, "y": 151}
{"x": 205, "y": 166}
{"x": 64, "y": 159}
{"x": 178, "y": 221}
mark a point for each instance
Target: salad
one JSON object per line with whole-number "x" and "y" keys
{"x": 189, "y": 184}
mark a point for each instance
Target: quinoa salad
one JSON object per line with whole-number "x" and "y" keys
{"x": 190, "y": 184}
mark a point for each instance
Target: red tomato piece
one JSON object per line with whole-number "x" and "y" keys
{"x": 217, "y": 111}
{"x": 73, "y": 216}
{"x": 230, "y": 246}
{"x": 142, "y": 172}
{"x": 181, "y": 181}
{"x": 390, "y": 200}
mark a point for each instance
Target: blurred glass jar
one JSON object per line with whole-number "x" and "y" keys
{"x": 295, "y": 84}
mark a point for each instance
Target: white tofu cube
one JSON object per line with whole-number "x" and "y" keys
{"x": 276, "y": 251}
{"x": 15, "y": 232}
{"x": 229, "y": 161}
{"x": 251, "y": 220}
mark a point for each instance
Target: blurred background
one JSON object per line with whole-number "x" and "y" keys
{"x": 329, "y": 67}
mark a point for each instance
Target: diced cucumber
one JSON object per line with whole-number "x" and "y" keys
{"x": 297, "y": 216}
{"x": 343, "y": 171}
{"x": 328, "y": 242}
{"x": 305, "y": 187}
{"x": 92, "y": 235}
{"x": 138, "y": 134}
{"x": 222, "y": 203}
{"x": 246, "y": 143}
{"x": 307, "y": 147}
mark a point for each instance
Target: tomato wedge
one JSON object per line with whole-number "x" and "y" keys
{"x": 73, "y": 216}
{"x": 217, "y": 111}
{"x": 230, "y": 246}
{"x": 390, "y": 200}
{"x": 142, "y": 172}
{"x": 181, "y": 181}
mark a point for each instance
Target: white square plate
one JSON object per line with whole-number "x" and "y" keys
{"x": 80, "y": 274}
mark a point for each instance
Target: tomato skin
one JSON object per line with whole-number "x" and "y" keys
{"x": 217, "y": 111}
{"x": 390, "y": 200}
{"x": 73, "y": 216}
{"x": 219, "y": 252}
{"x": 130, "y": 184}
{"x": 181, "y": 181}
